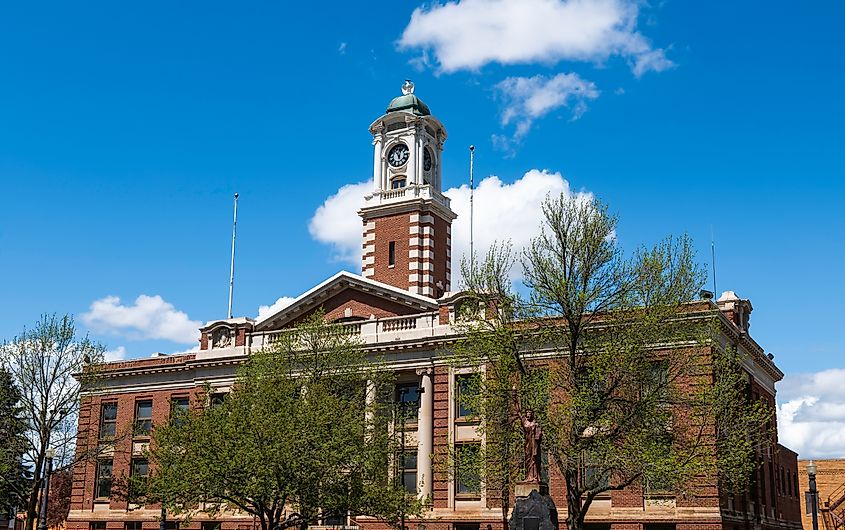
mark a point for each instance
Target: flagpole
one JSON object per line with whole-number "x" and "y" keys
{"x": 471, "y": 189}
{"x": 232, "y": 269}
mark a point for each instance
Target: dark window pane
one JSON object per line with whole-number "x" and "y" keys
{"x": 99, "y": 525}
{"x": 211, "y": 525}
{"x": 143, "y": 417}
{"x": 409, "y": 481}
{"x": 408, "y": 398}
{"x": 140, "y": 467}
{"x": 467, "y": 389}
{"x": 103, "y": 488}
{"x": 468, "y": 474}
{"x": 132, "y": 525}
{"x": 108, "y": 420}
{"x": 217, "y": 399}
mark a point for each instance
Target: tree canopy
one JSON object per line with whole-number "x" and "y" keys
{"x": 625, "y": 378}
{"x": 302, "y": 436}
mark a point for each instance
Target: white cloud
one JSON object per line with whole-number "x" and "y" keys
{"x": 336, "y": 222}
{"x": 265, "y": 311}
{"x": 811, "y": 414}
{"x": 526, "y": 99}
{"x": 150, "y": 317}
{"x": 342, "y": 48}
{"x": 502, "y": 211}
{"x": 117, "y": 354}
{"x": 468, "y": 34}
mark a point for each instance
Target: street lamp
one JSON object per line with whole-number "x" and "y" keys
{"x": 814, "y": 494}
{"x": 45, "y": 491}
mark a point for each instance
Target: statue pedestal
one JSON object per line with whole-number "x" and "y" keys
{"x": 524, "y": 487}
{"x": 534, "y": 508}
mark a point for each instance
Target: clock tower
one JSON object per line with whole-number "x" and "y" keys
{"x": 407, "y": 219}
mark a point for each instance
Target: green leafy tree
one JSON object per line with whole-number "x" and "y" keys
{"x": 43, "y": 362}
{"x": 303, "y": 435}
{"x": 14, "y": 478}
{"x": 626, "y": 381}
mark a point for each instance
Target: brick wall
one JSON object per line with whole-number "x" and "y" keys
{"x": 830, "y": 475}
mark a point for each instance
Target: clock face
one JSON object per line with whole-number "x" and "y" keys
{"x": 398, "y": 155}
{"x": 426, "y": 160}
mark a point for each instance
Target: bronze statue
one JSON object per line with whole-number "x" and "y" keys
{"x": 533, "y": 437}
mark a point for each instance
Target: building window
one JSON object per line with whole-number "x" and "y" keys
{"x": 103, "y": 482}
{"x": 592, "y": 476}
{"x": 789, "y": 482}
{"x": 140, "y": 467}
{"x": 466, "y": 394}
{"x": 108, "y": 420}
{"x": 211, "y": 525}
{"x": 171, "y": 525}
{"x": 408, "y": 470}
{"x": 143, "y": 417}
{"x": 656, "y": 384}
{"x": 98, "y": 525}
{"x": 391, "y": 253}
{"x": 408, "y": 402}
{"x": 132, "y": 525}
{"x": 217, "y": 399}
{"x": 178, "y": 409}
{"x": 468, "y": 470}
{"x": 397, "y": 183}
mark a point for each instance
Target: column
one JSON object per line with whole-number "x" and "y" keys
{"x": 425, "y": 433}
{"x": 377, "y": 169}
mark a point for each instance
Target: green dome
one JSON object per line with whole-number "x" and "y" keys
{"x": 409, "y": 103}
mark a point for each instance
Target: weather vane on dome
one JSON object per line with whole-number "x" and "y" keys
{"x": 407, "y": 87}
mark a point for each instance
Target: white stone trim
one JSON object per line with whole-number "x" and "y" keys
{"x": 413, "y": 277}
{"x": 369, "y": 236}
{"x": 415, "y": 217}
{"x": 370, "y": 225}
{"x": 414, "y": 229}
{"x": 414, "y": 242}
{"x": 427, "y": 230}
{"x": 368, "y": 272}
{"x": 369, "y": 260}
{"x": 369, "y": 249}
{"x": 414, "y": 265}
{"x": 413, "y": 253}
{"x": 427, "y": 219}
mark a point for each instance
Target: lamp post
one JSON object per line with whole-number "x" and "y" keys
{"x": 45, "y": 490}
{"x": 814, "y": 494}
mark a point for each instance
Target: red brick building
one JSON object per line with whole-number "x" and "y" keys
{"x": 402, "y": 308}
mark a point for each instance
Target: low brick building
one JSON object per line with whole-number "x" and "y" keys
{"x": 830, "y": 483}
{"x": 403, "y": 310}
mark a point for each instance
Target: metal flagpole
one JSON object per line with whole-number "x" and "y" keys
{"x": 232, "y": 269}
{"x": 713, "y": 258}
{"x": 471, "y": 188}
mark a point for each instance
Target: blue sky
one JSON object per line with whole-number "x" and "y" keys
{"x": 125, "y": 130}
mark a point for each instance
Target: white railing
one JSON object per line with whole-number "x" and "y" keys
{"x": 372, "y": 331}
{"x": 412, "y": 191}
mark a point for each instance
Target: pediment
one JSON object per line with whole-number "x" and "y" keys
{"x": 349, "y": 296}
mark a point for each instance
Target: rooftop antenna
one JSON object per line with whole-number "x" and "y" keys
{"x": 471, "y": 188}
{"x": 232, "y": 269}
{"x": 713, "y": 257}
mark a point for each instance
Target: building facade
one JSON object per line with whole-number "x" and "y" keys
{"x": 403, "y": 309}
{"x": 830, "y": 483}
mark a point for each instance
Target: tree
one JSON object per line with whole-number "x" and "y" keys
{"x": 43, "y": 361}
{"x": 489, "y": 318}
{"x": 617, "y": 408}
{"x": 302, "y": 436}
{"x": 14, "y": 478}
{"x": 58, "y": 502}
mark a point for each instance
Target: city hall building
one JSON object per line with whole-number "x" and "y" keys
{"x": 403, "y": 309}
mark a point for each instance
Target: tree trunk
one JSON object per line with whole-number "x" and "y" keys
{"x": 574, "y": 518}
{"x": 32, "y": 504}
{"x": 506, "y": 504}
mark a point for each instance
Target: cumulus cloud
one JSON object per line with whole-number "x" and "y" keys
{"x": 336, "y": 222}
{"x": 117, "y": 354}
{"x": 526, "y": 99}
{"x": 811, "y": 414}
{"x": 502, "y": 211}
{"x": 468, "y": 34}
{"x": 149, "y": 317}
{"x": 265, "y": 311}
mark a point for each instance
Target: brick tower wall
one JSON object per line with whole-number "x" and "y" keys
{"x": 422, "y": 252}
